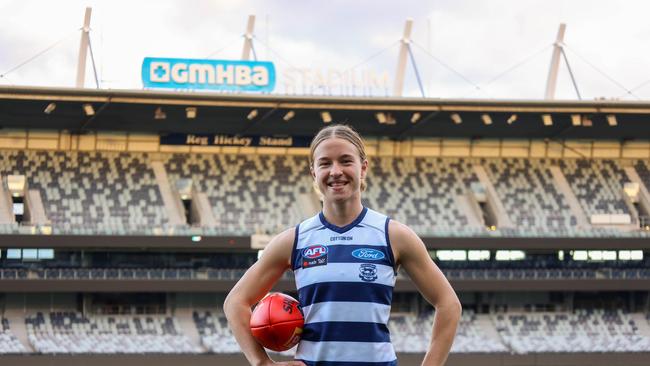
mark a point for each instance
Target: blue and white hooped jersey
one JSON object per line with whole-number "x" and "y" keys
{"x": 345, "y": 278}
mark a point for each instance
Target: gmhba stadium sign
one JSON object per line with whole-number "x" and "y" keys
{"x": 227, "y": 75}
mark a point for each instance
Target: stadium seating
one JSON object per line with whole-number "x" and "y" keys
{"x": 216, "y": 336}
{"x": 597, "y": 184}
{"x": 583, "y": 330}
{"x": 214, "y": 331}
{"x": 526, "y": 189}
{"x": 593, "y": 330}
{"x": 420, "y": 192}
{"x": 91, "y": 192}
{"x": 248, "y": 193}
{"x": 72, "y": 332}
{"x": 472, "y": 338}
{"x": 409, "y": 334}
{"x": 8, "y": 342}
{"x": 580, "y": 331}
{"x": 643, "y": 170}
{"x": 117, "y": 193}
{"x": 412, "y": 334}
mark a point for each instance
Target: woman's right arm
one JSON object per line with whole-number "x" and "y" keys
{"x": 254, "y": 284}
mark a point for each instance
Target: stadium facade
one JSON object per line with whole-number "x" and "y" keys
{"x": 126, "y": 216}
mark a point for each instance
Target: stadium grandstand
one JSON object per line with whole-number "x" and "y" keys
{"x": 126, "y": 216}
{"x": 122, "y": 233}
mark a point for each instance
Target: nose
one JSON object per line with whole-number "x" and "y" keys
{"x": 335, "y": 170}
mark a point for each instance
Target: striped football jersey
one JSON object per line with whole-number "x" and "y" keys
{"x": 345, "y": 278}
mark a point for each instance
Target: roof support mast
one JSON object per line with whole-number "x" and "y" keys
{"x": 248, "y": 40}
{"x": 83, "y": 49}
{"x": 551, "y": 81}
{"x": 398, "y": 87}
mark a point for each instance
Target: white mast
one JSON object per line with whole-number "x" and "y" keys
{"x": 248, "y": 38}
{"x": 83, "y": 49}
{"x": 401, "y": 60}
{"x": 551, "y": 82}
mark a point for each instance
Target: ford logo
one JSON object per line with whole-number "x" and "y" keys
{"x": 314, "y": 251}
{"x": 368, "y": 254}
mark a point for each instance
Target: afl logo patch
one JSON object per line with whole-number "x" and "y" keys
{"x": 314, "y": 251}
{"x": 368, "y": 254}
{"x": 315, "y": 255}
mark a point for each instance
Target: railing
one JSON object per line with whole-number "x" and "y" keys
{"x": 235, "y": 274}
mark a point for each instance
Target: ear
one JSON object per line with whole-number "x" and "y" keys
{"x": 364, "y": 168}
{"x": 312, "y": 172}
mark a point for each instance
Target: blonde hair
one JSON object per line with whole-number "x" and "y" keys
{"x": 344, "y": 132}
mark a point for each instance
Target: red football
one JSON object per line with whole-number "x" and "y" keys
{"x": 277, "y": 321}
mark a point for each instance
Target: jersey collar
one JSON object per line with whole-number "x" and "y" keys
{"x": 342, "y": 229}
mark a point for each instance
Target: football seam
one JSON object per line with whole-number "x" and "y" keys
{"x": 273, "y": 337}
{"x": 272, "y": 324}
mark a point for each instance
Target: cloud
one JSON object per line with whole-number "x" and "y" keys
{"x": 606, "y": 42}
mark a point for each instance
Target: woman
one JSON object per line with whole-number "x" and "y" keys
{"x": 345, "y": 261}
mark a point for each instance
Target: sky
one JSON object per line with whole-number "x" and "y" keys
{"x": 497, "y": 49}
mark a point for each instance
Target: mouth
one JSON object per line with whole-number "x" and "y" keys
{"x": 337, "y": 184}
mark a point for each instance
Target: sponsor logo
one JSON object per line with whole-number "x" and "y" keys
{"x": 368, "y": 272}
{"x": 368, "y": 254}
{"x": 287, "y": 305}
{"x": 315, "y": 255}
{"x": 314, "y": 251}
{"x": 340, "y": 238}
{"x": 181, "y": 73}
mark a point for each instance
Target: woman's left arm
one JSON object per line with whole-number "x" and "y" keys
{"x": 410, "y": 252}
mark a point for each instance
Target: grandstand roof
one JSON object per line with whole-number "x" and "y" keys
{"x": 133, "y": 111}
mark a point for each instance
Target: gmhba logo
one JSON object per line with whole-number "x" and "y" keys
{"x": 180, "y": 73}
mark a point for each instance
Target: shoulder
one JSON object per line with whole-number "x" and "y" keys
{"x": 403, "y": 240}
{"x": 280, "y": 247}
{"x": 400, "y": 232}
{"x": 287, "y": 235}
{"x": 285, "y": 238}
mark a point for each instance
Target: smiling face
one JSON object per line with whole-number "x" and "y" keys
{"x": 338, "y": 170}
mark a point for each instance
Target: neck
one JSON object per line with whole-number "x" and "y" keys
{"x": 342, "y": 213}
